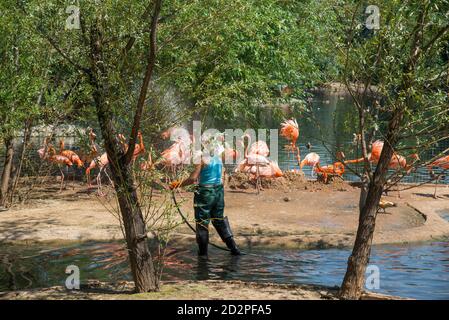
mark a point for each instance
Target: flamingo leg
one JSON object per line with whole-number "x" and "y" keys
{"x": 62, "y": 178}
{"x": 73, "y": 180}
{"x": 298, "y": 156}
{"x": 436, "y": 186}
{"x": 100, "y": 193}
{"x": 107, "y": 175}
{"x": 88, "y": 180}
{"x": 67, "y": 172}
{"x": 257, "y": 179}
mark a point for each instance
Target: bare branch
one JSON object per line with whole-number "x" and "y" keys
{"x": 146, "y": 82}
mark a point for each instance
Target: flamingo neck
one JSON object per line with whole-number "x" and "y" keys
{"x": 142, "y": 147}
{"x": 61, "y": 146}
{"x": 249, "y": 144}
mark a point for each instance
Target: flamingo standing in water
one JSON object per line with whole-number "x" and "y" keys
{"x": 290, "y": 131}
{"x": 312, "y": 159}
{"x": 49, "y": 154}
{"x": 442, "y": 163}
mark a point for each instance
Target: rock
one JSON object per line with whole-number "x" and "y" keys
{"x": 287, "y": 199}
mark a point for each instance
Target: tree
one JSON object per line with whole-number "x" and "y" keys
{"x": 403, "y": 60}
{"x": 22, "y": 74}
{"x": 97, "y": 53}
{"x": 229, "y": 59}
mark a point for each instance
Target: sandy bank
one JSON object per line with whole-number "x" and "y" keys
{"x": 308, "y": 215}
{"x": 187, "y": 290}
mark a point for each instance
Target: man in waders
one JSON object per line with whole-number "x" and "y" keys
{"x": 209, "y": 202}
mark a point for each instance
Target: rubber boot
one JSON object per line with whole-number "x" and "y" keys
{"x": 202, "y": 238}
{"x": 224, "y": 231}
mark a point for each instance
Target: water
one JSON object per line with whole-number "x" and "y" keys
{"x": 418, "y": 271}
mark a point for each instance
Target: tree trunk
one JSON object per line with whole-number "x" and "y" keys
{"x": 4, "y": 184}
{"x": 142, "y": 266}
{"x": 18, "y": 172}
{"x": 141, "y": 262}
{"x": 354, "y": 279}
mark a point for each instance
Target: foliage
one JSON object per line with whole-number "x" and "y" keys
{"x": 378, "y": 64}
{"x": 230, "y": 58}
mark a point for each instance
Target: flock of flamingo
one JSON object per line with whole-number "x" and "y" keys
{"x": 255, "y": 163}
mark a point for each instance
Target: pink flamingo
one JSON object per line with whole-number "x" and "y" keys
{"x": 138, "y": 149}
{"x": 267, "y": 171}
{"x": 71, "y": 155}
{"x": 252, "y": 156}
{"x": 177, "y": 154}
{"x": 259, "y": 147}
{"x": 290, "y": 131}
{"x": 442, "y": 163}
{"x": 48, "y": 153}
{"x": 396, "y": 162}
{"x": 101, "y": 162}
{"x": 312, "y": 159}
{"x": 257, "y": 164}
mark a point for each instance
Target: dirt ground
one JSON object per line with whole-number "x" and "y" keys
{"x": 302, "y": 214}
{"x": 188, "y": 290}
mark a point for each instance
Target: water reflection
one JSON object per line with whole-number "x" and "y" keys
{"x": 412, "y": 271}
{"x": 419, "y": 271}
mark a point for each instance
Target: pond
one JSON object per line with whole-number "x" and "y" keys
{"x": 419, "y": 271}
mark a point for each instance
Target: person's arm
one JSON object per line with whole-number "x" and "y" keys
{"x": 190, "y": 180}
{"x": 193, "y": 177}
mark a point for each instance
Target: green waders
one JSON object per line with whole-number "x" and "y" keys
{"x": 209, "y": 205}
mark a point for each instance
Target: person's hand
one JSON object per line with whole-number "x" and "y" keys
{"x": 175, "y": 184}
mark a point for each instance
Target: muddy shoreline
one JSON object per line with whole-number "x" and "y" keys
{"x": 303, "y": 215}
